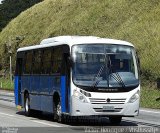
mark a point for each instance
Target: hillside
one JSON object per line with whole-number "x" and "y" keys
{"x": 135, "y": 21}
{"x": 10, "y": 9}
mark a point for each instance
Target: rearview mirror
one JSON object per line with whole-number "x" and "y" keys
{"x": 139, "y": 65}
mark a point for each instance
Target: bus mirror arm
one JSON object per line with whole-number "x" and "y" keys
{"x": 138, "y": 63}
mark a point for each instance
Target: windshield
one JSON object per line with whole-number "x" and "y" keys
{"x": 104, "y": 66}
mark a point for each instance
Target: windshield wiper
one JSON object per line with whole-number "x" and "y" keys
{"x": 100, "y": 72}
{"x": 118, "y": 79}
{"x": 97, "y": 76}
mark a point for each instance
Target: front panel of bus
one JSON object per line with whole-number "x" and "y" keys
{"x": 105, "y": 80}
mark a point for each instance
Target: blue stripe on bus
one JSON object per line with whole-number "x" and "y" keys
{"x": 69, "y": 102}
{"x": 63, "y": 93}
{"x": 16, "y": 78}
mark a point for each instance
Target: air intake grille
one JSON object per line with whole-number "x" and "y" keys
{"x": 102, "y": 110}
{"x": 107, "y": 101}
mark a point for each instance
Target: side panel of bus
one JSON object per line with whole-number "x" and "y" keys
{"x": 17, "y": 79}
{"x": 16, "y": 91}
{"x": 47, "y": 86}
{"x": 42, "y": 84}
{"x": 65, "y": 85}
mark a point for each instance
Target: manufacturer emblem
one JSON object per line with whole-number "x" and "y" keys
{"x": 108, "y": 100}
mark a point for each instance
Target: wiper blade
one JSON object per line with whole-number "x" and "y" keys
{"x": 118, "y": 79}
{"x": 100, "y": 72}
{"x": 97, "y": 76}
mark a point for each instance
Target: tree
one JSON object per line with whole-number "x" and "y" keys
{"x": 10, "y": 9}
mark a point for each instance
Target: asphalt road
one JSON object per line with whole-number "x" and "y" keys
{"x": 12, "y": 120}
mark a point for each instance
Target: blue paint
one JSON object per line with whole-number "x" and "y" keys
{"x": 63, "y": 94}
{"x": 47, "y": 86}
{"x": 25, "y": 83}
{"x": 35, "y": 100}
{"x": 41, "y": 90}
{"x": 69, "y": 95}
{"x": 16, "y": 90}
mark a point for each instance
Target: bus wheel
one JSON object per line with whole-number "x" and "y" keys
{"x": 58, "y": 116}
{"x": 27, "y": 105}
{"x": 115, "y": 120}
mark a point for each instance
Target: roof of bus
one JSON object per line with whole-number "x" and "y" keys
{"x": 71, "y": 40}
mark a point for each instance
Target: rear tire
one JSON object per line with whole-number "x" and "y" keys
{"x": 115, "y": 120}
{"x": 27, "y": 105}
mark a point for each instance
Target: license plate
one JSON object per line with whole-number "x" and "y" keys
{"x": 108, "y": 107}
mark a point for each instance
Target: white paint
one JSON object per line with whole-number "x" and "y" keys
{"x": 72, "y": 40}
{"x": 6, "y": 114}
{"x": 35, "y": 121}
{"x": 47, "y": 124}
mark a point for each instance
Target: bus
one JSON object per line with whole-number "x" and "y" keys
{"x": 78, "y": 76}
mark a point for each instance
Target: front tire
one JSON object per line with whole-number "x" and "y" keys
{"x": 58, "y": 116}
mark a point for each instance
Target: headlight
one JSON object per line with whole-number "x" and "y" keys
{"x": 134, "y": 97}
{"x": 79, "y": 96}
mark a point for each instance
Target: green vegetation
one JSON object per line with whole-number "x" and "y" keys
{"x": 6, "y": 84}
{"x": 9, "y": 9}
{"x": 135, "y": 21}
{"x": 150, "y": 98}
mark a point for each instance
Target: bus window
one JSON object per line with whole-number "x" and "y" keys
{"x": 28, "y": 63}
{"x": 19, "y": 63}
{"x": 57, "y": 60}
{"x": 46, "y": 61}
{"x": 37, "y": 62}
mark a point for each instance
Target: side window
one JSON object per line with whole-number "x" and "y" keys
{"x": 19, "y": 63}
{"x": 37, "y": 62}
{"x": 51, "y": 60}
{"x": 57, "y": 60}
{"x": 46, "y": 61}
{"x": 28, "y": 63}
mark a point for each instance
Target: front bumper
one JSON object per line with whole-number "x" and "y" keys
{"x": 79, "y": 108}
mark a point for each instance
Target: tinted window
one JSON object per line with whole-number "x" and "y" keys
{"x": 19, "y": 63}
{"x": 28, "y": 63}
{"x": 46, "y": 61}
{"x": 37, "y": 62}
{"x": 57, "y": 60}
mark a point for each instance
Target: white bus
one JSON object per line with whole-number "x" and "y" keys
{"x": 79, "y": 76}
